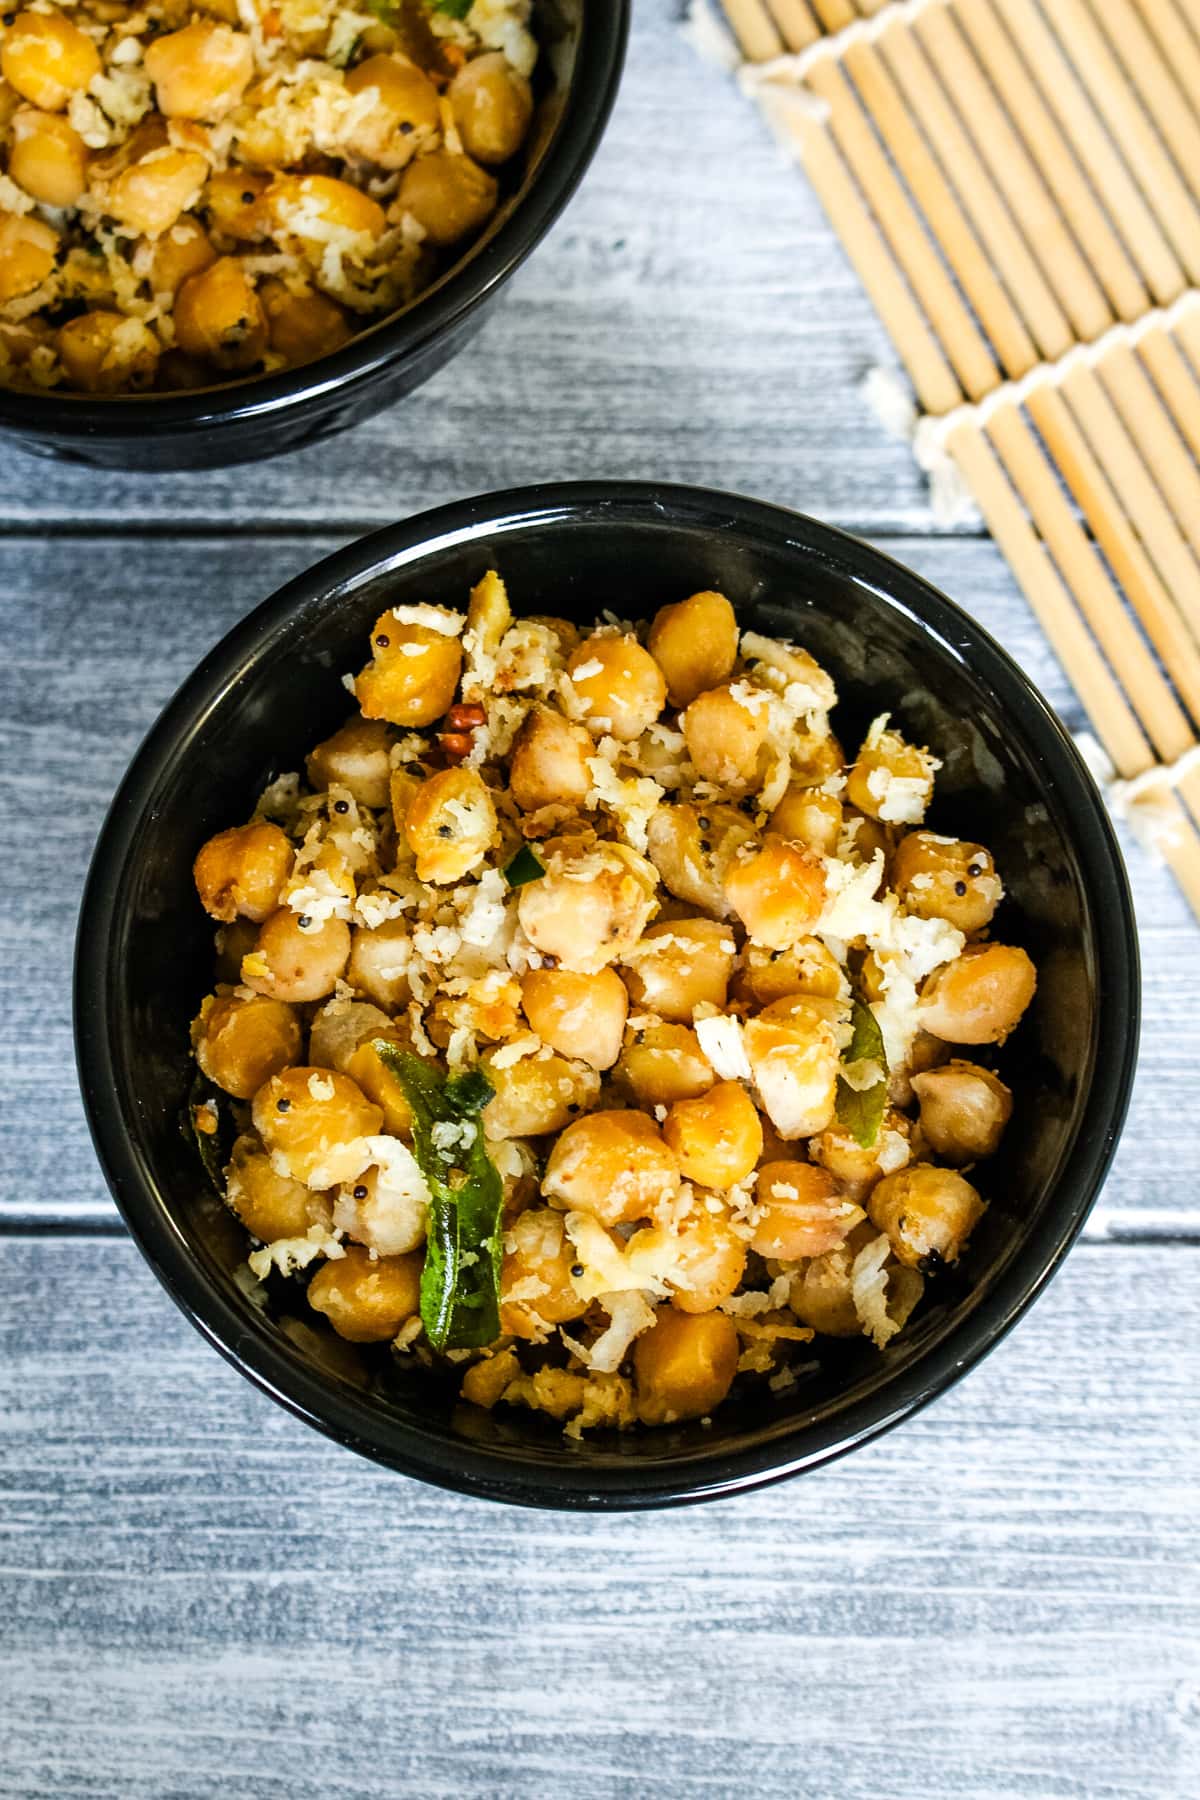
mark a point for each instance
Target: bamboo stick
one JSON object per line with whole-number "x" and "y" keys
{"x": 754, "y": 29}
{"x": 795, "y": 23}
{"x": 1139, "y": 55}
{"x": 1100, "y": 244}
{"x": 835, "y": 15}
{"x": 1179, "y": 47}
{"x": 1175, "y": 382}
{"x": 1108, "y": 173}
{"x": 1043, "y": 317}
{"x": 1149, "y": 425}
{"x": 1187, "y": 336}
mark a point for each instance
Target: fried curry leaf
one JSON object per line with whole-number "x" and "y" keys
{"x": 409, "y": 19}
{"x": 524, "y": 867}
{"x": 207, "y": 1125}
{"x": 860, "y": 1109}
{"x": 454, "y": 9}
{"x": 460, "y": 1283}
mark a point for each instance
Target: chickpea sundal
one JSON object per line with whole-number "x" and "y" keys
{"x": 589, "y": 1017}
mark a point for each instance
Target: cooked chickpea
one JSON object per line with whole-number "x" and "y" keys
{"x": 105, "y": 352}
{"x": 412, "y": 678}
{"x": 368, "y": 1298}
{"x": 926, "y": 1212}
{"x": 778, "y": 892}
{"x": 450, "y": 824}
{"x": 148, "y": 197}
{"x": 964, "y": 1110}
{"x": 807, "y": 967}
{"x": 856, "y": 1169}
{"x": 679, "y": 965}
{"x": 47, "y": 59}
{"x": 219, "y": 318}
{"x": 169, "y": 260}
{"x": 794, "y": 1052}
{"x": 536, "y": 1289}
{"x": 548, "y": 765}
{"x": 691, "y": 849}
{"x": 662, "y": 1063}
{"x": 980, "y": 997}
{"x": 315, "y": 209}
{"x": 892, "y": 779}
{"x": 815, "y": 756}
{"x": 726, "y": 731}
{"x": 717, "y": 1137}
{"x": 492, "y": 106}
{"x": 358, "y": 758}
{"x": 297, "y": 962}
{"x": 302, "y": 327}
{"x": 240, "y": 1043}
{"x": 340, "y": 1027}
{"x": 47, "y": 157}
{"x": 536, "y": 1095}
{"x": 944, "y": 878}
{"x": 807, "y": 816}
{"x": 590, "y": 907}
{"x": 310, "y": 1120}
{"x": 270, "y": 1205}
{"x": 233, "y": 205}
{"x": 864, "y": 839}
{"x": 695, "y": 644}
{"x": 616, "y": 687}
{"x": 617, "y": 1166}
{"x": 821, "y": 1295}
{"x": 239, "y": 873}
{"x": 799, "y": 1211}
{"x": 711, "y": 1260}
{"x": 378, "y": 965}
{"x": 449, "y": 196}
{"x": 200, "y": 72}
{"x": 232, "y": 942}
{"x": 28, "y": 247}
{"x": 578, "y": 1015}
{"x": 684, "y": 1365}
{"x": 377, "y": 1081}
{"x": 405, "y": 111}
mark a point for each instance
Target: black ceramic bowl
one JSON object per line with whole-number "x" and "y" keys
{"x": 1011, "y": 779}
{"x": 583, "y": 44}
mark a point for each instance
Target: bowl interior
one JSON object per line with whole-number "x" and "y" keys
{"x": 273, "y": 688}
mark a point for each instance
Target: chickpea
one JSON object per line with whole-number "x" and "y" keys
{"x": 239, "y": 1044}
{"x": 239, "y": 873}
{"x": 590, "y": 907}
{"x": 316, "y": 209}
{"x": 578, "y": 1015}
{"x": 807, "y": 967}
{"x": 944, "y": 878}
{"x": 177, "y": 372}
{"x": 219, "y": 318}
{"x": 270, "y": 1205}
{"x": 964, "y": 1110}
{"x": 450, "y": 824}
{"x": 105, "y": 352}
{"x": 800, "y": 1211}
{"x": 148, "y": 197}
{"x": 855, "y": 1169}
{"x": 925, "y": 1211}
{"x": 28, "y": 247}
{"x": 815, "y": 755}
{"x": 297, "y": 962}
{"x": 378, "y": 1083}
{"x": 310, "y": 1120}
{"x": 536, "y": 1289}
{"x": 404, "y": 117}
{"x": 233, "y": 204}
{"x": 695, "y": 644}
{"x": 684, "y": 1365}
{"x": 679, "y": 965}
{"x": 378, "y": 965}
{"x": 47, "y": 157}
{"x": 690, "y": 849}
{"x": 358, "y": 758}
{"x": 864, "y": 839}
{"x": 807, "y": 816}
{"x": 794, "y": 1053}
{"x": 368, "y": 1298}
{"x": 778, "y": 892}
{"x": 232, "y": 942}
{"x": 711, "y": 1261}
{"x": 47, "y": 59}
{"x": 717, "y": 1137}
{"x": 383, "y": 1208}
{"x": 409, "y": 689}
{"x": 548, "y": 765}
{"x": 892, "y": 780}
{"x": 662, "y": 1063}
{"x": 492, "y": 106}
{"x": 726, "y": 731}
{"x": 617, "y": 1166}
{"x": 302, "y": 327}
{"x": 340, "y": 1027}
{"x": 980, "y": 997}
{"x": 449, "y": 196}
{"x": 180, "y": 252}
{"x": 821, "y": 1295}
{"x": 616, "y": 688}
{"x": 537, "y": 1095}
{"x": 200, "y": 72}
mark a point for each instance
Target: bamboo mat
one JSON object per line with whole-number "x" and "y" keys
{"x": 1017, "y": 183}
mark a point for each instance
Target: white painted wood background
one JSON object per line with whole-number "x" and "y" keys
{"x": 200, "y": 1597}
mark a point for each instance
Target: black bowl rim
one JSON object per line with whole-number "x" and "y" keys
{"x": 460, "y": 1465}
{"x": 439, "y": 312}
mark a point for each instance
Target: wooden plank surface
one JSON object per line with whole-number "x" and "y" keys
{"x": 201, "y": 1596}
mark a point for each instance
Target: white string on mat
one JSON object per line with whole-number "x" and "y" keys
{"x": 1147, "y": 803}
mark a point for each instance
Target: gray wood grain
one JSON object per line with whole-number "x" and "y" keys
{"x": 202, "y": 1596}
{"x": 691, "y": 318}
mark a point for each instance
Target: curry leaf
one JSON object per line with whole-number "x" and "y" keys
{"x": 523, "y": 868}
{"x": 860, "y": 1109}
